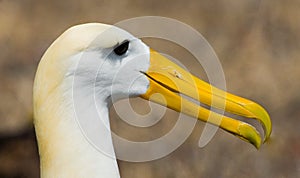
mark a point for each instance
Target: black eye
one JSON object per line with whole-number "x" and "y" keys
{"x": 122, "y": 48}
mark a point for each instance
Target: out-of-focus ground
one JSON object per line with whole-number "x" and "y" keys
{"x": 257, "y": 42}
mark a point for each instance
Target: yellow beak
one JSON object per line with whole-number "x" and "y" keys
{"x": 170, "y": 80}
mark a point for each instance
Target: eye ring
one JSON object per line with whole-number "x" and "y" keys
{"x": 122, "y": 48}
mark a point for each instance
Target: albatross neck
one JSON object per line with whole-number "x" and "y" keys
{"x": 73, "y": 141}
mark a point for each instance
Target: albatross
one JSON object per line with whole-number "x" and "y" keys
{"x": 93, "y": 55}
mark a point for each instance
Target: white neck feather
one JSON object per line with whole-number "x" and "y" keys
{"x": 64, "y": 148}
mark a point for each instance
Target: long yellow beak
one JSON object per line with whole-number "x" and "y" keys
{"x": 170, "y": 80}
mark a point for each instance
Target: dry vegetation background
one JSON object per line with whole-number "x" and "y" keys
{"x": 257, "y": 42}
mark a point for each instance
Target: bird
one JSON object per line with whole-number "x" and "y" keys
{"x": 98, "y": 64}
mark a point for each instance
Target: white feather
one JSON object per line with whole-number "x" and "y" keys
{"x": 77, "y": 78}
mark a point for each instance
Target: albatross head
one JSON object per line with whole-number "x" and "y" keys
{"x": 110, "y": 64}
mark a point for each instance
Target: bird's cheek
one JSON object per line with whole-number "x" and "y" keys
{"x": 139, "y": 86}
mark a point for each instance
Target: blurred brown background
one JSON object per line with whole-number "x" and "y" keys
{"x": 257, "y": 42}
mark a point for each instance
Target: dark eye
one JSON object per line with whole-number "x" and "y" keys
{"x": 122, "y": 48}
